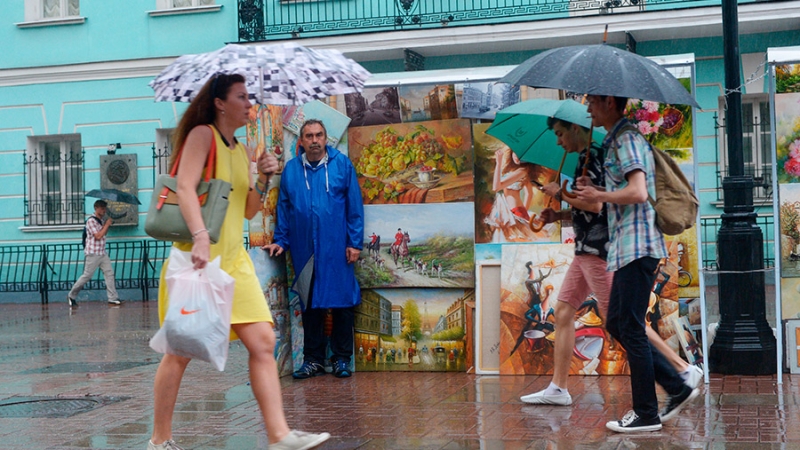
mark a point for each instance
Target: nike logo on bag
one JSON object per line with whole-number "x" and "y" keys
{"x": 185, "y": 312}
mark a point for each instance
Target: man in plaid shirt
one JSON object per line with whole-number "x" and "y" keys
{"x": 95, "y": 251}
{"x": 637, "y": 245}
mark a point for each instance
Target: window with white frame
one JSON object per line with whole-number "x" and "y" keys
{"x": 756, "y": 142}
{"x": 51, "y": 9}
{"x": 54, "y": 9}
{"x": 54, "y": 172}
{"x": 171, "y": 4}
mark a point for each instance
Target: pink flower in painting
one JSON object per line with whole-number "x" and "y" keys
{"x": 792, "y": 167}
{"x": 650, "y": 106}
{"x": 794, "y": 149}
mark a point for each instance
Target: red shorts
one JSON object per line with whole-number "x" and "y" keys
{"x": 586, "y": 275}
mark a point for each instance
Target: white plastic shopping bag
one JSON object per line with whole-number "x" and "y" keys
{"x": 198, "y": 320}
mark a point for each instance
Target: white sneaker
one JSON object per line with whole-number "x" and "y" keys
{"x": 169, "y": 444}
{"x": 298, "y": 440}
{"x": 541, "y": 398}
{"x": 692, "y": 376}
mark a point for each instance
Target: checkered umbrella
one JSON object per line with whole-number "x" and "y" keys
{"x": 279, "y": 74}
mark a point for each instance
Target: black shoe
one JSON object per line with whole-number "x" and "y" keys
{"x": 72, "y": 302}
{"x": 308, "y": 370}
{"x": 632, "y": 423}
{"x": 676, "y": 402}
{"x": 341, "y": 369}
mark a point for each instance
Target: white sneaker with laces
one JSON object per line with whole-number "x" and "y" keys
{"x": 692, "y": 377}
{"x": 169, "y": 444}
{"x": 299, "y": 440}
{"x": 542, "y": 398}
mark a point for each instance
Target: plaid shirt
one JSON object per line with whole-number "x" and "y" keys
{"x": 94, "y": 246}
{"x": 632, "y": 228}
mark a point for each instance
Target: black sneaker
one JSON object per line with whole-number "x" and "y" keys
{"x": 341, "y": 369}
{"x": 72, "y": 302}
{"x": 676, "y": 402}
{"x": 308, "y": 370}
{"x": 631, "y": 423}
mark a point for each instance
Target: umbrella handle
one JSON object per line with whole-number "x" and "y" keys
{"x": 536, "y": 224}
{"x": 564, "y": 191}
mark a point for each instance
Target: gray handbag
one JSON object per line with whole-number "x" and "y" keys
{"x": 164, "y": 219}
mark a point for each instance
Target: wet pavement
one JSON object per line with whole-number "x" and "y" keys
{"x": 96, "y": 361}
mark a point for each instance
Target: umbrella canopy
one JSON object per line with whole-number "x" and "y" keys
{"x": 601, "y": 70}
{"x": 523, "y": 128}
{"x": 114, "y": 195}
{"x": 279, "y": 74}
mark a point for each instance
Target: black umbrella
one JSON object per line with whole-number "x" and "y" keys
{"x": 601, "y": 70}
{"x": 114, "y": 195}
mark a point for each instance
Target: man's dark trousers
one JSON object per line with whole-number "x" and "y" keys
{"x": 627, "y": 306}
{"x": 314, "y": 342}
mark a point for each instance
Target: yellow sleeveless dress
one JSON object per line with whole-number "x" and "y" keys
{"x": 249, "y": 303}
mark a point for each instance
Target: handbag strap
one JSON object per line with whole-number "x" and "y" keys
{"x": 210, "y": 167}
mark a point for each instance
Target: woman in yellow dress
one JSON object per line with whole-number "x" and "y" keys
{"x": 220, "y": 108}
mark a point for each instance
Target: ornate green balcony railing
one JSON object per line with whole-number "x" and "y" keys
{"x": 262, "y": 20}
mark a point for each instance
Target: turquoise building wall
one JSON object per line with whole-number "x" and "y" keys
{"x": 121, "y": 110}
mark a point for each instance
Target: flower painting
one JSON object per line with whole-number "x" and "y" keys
{"x": 668, "y": 127}
{"x": 787, "y": 136}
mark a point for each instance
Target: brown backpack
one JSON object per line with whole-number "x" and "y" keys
{"x": 676, "y": 203}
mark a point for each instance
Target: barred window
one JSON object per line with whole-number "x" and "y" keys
{"x": 756, "y": 142}
{"x": 54, "y": 172}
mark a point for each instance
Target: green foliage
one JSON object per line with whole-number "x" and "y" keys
{"x": 787, "y": 79}
{"x": 450, "y": 334}
{"x": 455, "y": 253}
{"x": 411, "y": 328}
{"x": 372, "y": 275}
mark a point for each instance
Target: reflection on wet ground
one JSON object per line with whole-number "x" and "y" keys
{"x": 97, "y": 351}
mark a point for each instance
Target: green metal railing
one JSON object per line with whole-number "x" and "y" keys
{"x": 264, "y": 20}
{"x": 55, "y": 267}
{"x": 709, "y": 226}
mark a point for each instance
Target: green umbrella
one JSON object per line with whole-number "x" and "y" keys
{"x": 523, "y": 128}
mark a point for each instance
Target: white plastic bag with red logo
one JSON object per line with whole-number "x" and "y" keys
{"x": 198, "y": 320}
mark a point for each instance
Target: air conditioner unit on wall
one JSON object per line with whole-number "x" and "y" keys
{"x": 120, "y": 172}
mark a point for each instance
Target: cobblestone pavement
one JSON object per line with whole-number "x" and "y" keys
{"x": 98, "y": 355}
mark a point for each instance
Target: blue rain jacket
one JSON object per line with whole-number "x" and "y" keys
{"x": 321, "y": 213}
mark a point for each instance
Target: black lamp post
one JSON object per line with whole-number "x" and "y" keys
{"x": 744, "y": 342}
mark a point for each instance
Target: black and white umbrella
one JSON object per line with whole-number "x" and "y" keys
{"x": 278, "y": 74}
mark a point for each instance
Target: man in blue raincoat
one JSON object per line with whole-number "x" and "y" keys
{"x": 321, "y": 221}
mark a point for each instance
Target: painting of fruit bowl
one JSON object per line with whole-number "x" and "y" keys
{"x": 394, "y": 163}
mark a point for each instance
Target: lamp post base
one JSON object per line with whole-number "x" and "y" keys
{"x": 744, "y": 342}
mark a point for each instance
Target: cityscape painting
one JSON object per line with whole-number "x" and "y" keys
{"x": 404, "y": 330}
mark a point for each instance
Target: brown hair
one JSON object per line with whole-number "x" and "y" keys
{"x": 201, "y": 110}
